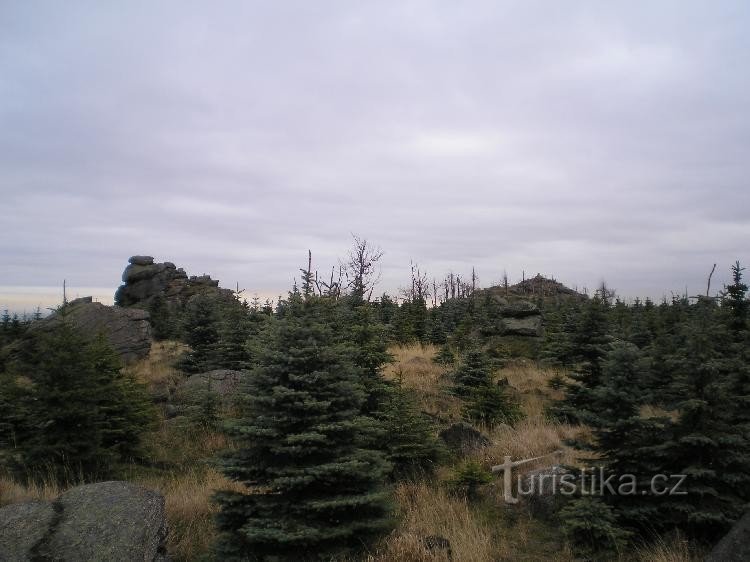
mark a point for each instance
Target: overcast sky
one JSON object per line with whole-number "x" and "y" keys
{"x": 585, "y": 140}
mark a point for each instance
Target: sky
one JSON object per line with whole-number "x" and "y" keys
{"x": 587, "y": 141}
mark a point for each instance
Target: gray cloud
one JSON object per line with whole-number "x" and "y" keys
{"x": 584, "y": 140}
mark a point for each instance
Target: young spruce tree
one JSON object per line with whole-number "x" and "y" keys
{"x": 316, "y": 492}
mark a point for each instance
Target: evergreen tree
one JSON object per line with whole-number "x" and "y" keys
{"x": 444, "y": 356}
{"x": 402, "y": 328}
{"x": 468, "y": 479}
{"x": 437, "y": 329}
{"x": 735, "y": 300}
{"x": 316, "y": 492}
{"x": 79, "y": 416}
{"x": 590, "y": 343}
{"x": 124, "y": 405}
{"x": 707, "y": 443}
{"x": 410, "y": 445}
{"x": 472, "y": 373}
{"x": 491, "y": 404}
{"x": 592, "y": 526}
{"x": 625, "y": 442}
{"x": 232, "y": 350}
{"x": 162, "y": 323}
{"x": 366, "y": 337}
{"x": 201, "y": 334}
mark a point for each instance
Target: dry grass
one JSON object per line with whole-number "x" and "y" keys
{"x": 670, "y": 549}
{"x": 529, "y": 438}
{"x": 182, "y": 445}
{"x": 532, "y": 385}
{"x": 157, "y": 370}
{"x": 190, "y": 510}
{"x": 13, "y": 492}
{"x": 426, "y": 511}
{"x": 413, "y": 366}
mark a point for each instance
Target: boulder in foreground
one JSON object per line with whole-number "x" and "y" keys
{"x": 114, "y": 521}
{"x": 735, "y": 546}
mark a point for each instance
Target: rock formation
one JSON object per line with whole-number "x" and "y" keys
{"x": 224, "y": 382}
{"x": 143, "y": 280}
{"x": 464, "y": 438}
{"x": 735, "y": 546}
{"x": 115, "y": 521}
{"x": 127, "y": 330}
{"x": 520, "y": 318}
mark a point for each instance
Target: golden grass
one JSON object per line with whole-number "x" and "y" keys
{"x": 414, "y": 368}
{"x": 425, "y": 511}
{"x": 529, "y": 438}
{"x": 13, "y": 492}
{"x": 189, "y": 509}
{"x": 532, "y": 385}
{"x": 157, "y": 370}
{"x": 674, "y": 548}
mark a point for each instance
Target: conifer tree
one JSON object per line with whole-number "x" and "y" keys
{"x": 162, "y": 322}
{"x": 491, "y": 404}
{"x": 201, "y": 334}
{"x": 410, "y": 444}
{"x": 445, "y": 356}
{"x": 402, "y": 328}
{"x": 231, "y": 350}
{"x": 707, "y": 443}
{"x": 79, "y": 416}
{"x": 589, "y": 343}
{"x": 473, "y": 372}
{"x": 124, "y": 407}
{"x": 735, "y": 300}
{"x": 625, "y": 442}
{"x": 316, "y": 491}
{"x": 62, "y": 433}
{"x": 366, "y": 337}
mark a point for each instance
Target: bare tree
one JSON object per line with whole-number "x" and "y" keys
{"x": 361, "y": 268}
{"x": 605, "y": 293}
{"x": 420, "y": 286}
{"x": 708, "y": 285}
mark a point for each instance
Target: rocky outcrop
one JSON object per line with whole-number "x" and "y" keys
{"x": 516, "y": 317}
{"x": 224, "y": 382}
{"x": 462, "y": 437}
{"x": 128, "y": 331}
{"x": 115, "y": 521}
{"x": 528, "y": 326}
{"x": 143, "y": 280}
{"x": 735, "y": 546}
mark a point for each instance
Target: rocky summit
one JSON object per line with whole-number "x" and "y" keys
{"x": 143, "y": 280}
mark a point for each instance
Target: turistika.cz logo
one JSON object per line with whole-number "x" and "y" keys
{"x": 587, "y": 481}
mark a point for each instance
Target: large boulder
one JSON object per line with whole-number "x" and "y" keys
{"x": 114, "y": 521}
{"x": 529, "y": 326}
{"x": 735, "y": 546}
{"x": 462, "y": 437}
{"x": 22, "y": 527}
{"x": 127, "y": 330}
{"x": 143, "y": 280}
{"x": 224, "y": 382}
